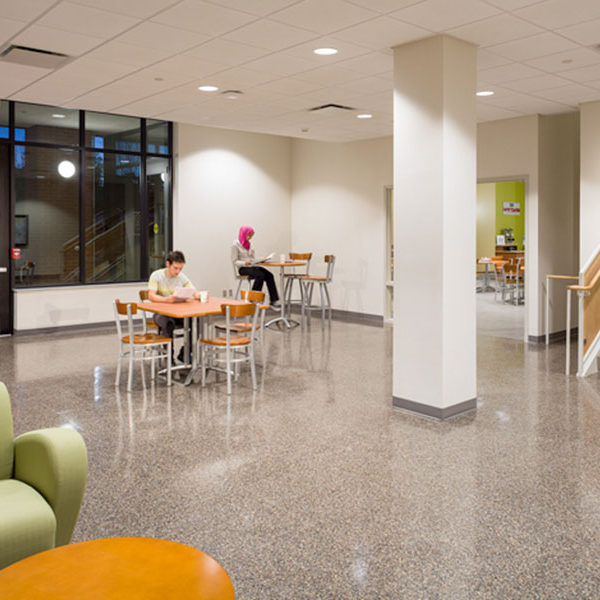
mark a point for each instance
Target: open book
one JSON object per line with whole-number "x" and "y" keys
{"x": 183, "y": 293}
{"x": 264, "y": 259}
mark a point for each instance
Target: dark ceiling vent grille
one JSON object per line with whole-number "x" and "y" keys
{"x": 330, "y": 105}
{"x": 33, "y": 57}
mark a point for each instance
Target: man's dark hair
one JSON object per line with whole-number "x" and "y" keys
{"x": 175, "y": 256}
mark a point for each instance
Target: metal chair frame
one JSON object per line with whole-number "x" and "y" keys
{"x": 309, "y": 283}
{"x": 139, "y": 346}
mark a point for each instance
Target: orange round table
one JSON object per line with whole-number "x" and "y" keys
{"x": 131, "y": 568}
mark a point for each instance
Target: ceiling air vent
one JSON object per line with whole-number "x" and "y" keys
{"x": 326, "y": 106}
{"x": 33, "y": 57}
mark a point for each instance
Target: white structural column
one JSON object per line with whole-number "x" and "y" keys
{"x": 434, "y": 227}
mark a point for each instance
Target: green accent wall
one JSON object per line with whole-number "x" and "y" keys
{"x": 511, "y": 191}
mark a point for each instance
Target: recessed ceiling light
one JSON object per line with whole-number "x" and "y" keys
{"x": 325, "y": 51}
{"x": 232, "y": 94}
{"x": 485, "y": 93}
{"x": 59, "y": 116}
{"x": 66, "y": 169}
{"x": 364, "y": 116}
{"x": 208, "y": 88}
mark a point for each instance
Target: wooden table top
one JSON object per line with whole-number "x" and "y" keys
{"x": 287, "y": 263}
{"x": 191, "y": 308}
{"x": 117, "y": 568}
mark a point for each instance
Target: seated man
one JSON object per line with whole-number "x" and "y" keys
{"x": 161, "y": 288}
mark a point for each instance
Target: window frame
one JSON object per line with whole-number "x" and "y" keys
{"x": 82, "y": 149}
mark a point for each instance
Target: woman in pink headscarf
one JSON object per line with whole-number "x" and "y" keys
{"x": 242, "y": 256}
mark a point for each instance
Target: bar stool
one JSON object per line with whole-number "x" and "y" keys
{"x": 309, "y": 283}
{"x": 240, "y": 279}
{"x": 295, "y": 276}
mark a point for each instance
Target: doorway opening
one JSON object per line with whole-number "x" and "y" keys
{"x": 501, "y": 258}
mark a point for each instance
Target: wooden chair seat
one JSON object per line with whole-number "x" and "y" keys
{"x": 151, "y": 324}
{"x": 147, "y": 338}
{"x": 238, "y": 327}
{"x": 234, "y": 340}
{"x": 313, "y": 278}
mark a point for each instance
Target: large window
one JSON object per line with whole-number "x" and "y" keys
{"x": 92, "y": 194}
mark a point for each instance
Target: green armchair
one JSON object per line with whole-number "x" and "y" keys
{"x": 42, "y": 480}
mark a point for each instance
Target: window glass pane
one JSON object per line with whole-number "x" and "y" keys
{"x": 38, "y": 123}
{"x": 112, "y": 214}
{"x": 4, "y": 119}
{"x": 112, "y": 132}
{"x": 157, "y": 136}
{"x": 158, "y": 182}
{"x": 46, "y": 222}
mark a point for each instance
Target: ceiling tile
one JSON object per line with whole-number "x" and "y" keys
{"x": 563, "y": 61}
{"x": 587, "y": 33}
{"x": 369, "y": 85}
{"x": 238, "y": 78}
{"x": 280, "y": 64}
{"x": 9, "y": 27}
{"x": 509, "y": 72}
{"x": 487, "y": 60}
{"x": 583, "y": 75}
{"x": 227, "y": 52}
{"x": 328, "y": 75}
{"x": 323, "y": 17}
{"x": 373, "y": 63}
{"x": 14, "y": 77}
{"x": 270, "y": 34}
{"x": 202, "y": 17}
{"x": 384, "y": 6}
{"x": 560, "y": 13}
{"x": 260, "y": 8}
{"x": 570, "y": 94}
{"x": 495, "y": 30}
{"x": 85, "y": 20}
{"x": 54, "y": 40}
{"x": 345, "y": 50}
{"x": 383, "y": 32}
{"x": 189, "y": 65}
{"x": 141, "y": 9}
{"x": 436, "y": 16}
{"x": 24, "y": 10}
{"x": 533, "y": 47}
{"x": 534, "y": 84}
{"x": 157, "y": 36}
{"x": 127, "y": 53}
{"x": 289, "y": 86}
{"x": 510, "y": 5}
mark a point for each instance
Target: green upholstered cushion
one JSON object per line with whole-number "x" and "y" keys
{"x": 27, "y": 526}
{"x": 6, "y": 435}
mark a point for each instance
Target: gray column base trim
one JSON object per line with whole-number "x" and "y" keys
{"x": 555, "y": 336}
{"x": 347, "y": 315}
{"x": 441, "y": 414}
{"x": 65, "y": 328}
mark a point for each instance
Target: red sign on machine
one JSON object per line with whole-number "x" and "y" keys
{"x": 15, "y": 252}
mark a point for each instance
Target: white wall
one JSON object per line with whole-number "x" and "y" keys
{"x": 63, "y": 306}
{"x": 486, "y": 220}
{"x": 508, "y": 150}
{"x": 338, "y": 207}
{"x": 225, "y": 179}
{"x": 590, "y": 181}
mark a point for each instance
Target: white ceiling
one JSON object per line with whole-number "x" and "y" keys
{"x": 147, "y": 58}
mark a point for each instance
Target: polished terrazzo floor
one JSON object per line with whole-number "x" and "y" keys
{"x": 314, "y": 487}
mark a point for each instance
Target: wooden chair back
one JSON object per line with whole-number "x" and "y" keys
{"x": 330, "y": 261}
{"x": 122, "y": 307}
{"x": 252, "y": 295}
{"x": 144, "y": 295}
{"x": 300, "y": 255}
{"x": 238, "y": 310}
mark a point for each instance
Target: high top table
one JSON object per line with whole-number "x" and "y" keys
{"x": 282, "y": 266}
{"x": 117, "y": 569}
{"x": 189, "y": 311}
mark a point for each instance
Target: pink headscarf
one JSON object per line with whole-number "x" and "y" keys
{"x": 245, "y": 231}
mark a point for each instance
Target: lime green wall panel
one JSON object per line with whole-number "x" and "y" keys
{"x": 511, "y": 191}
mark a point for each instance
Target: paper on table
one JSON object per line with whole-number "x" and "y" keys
{"x": 265, "y": 258}
{"x": 183, "y": 293}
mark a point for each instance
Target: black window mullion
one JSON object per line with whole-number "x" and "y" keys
{"x": 82, "y": 176}
{"x": 170, "y": 183}
{"x": 143, "y": 207}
